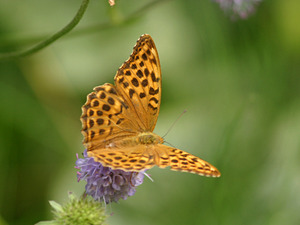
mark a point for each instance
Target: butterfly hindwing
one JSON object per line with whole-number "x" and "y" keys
{"x": 142, "y": 157}
{"x": 132, "y": 158}
{"x": 105, "y": 117}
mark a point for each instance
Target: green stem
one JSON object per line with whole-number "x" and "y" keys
{"x": 45, "y": 43}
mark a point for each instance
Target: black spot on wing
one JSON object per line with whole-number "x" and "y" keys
{"x": 145, "y": 83}
{"x": 142, "y": 95}
{"x": 135, "y": 82}
{"x": 102, "y": 95}
{"x": 106, "y": 107}
{"x": 153, "y": 61}
{"x": 95, "y": 103}
{"x": 121, "y": 80}
{"x": 146, "y": 71}
{"x": 139, "y": 73}
{"x": 152, "y": 107}
{"x": 152, "y": 91}
{"x": 131, "y": 92}
{"x": 112, "y": 91}
{"x": 100, "y": 121}
{"x": 144, "y": 56}
{"x": 153, "y": 99}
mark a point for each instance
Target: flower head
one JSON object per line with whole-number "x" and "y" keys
{"x": 104, "y": 183}
{"x": 241, "y": 8}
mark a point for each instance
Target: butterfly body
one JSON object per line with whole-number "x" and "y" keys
{"x": 145, "y": 138}
{"x": 148, "y": 138}
{"x": 118, "y": 120}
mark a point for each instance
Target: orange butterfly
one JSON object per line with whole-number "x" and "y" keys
{"x": 118, "y": 120}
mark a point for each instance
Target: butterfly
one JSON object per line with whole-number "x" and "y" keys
{"x": 118, "y": 120}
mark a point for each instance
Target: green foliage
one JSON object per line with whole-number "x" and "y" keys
{"x": 239, "y": 81}
{"x": 77, "y": 212}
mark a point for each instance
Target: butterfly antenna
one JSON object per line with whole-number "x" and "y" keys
{"x": 184, "y": 111}
{"x": 170, "y": 144}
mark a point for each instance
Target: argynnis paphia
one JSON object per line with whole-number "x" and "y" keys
{"x": 118, "y": 120}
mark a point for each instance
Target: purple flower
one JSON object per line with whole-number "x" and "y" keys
{"x": 106, "y": 184}
{"x": 242, "y": 8}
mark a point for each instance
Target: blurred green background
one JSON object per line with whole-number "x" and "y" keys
{"x": 238, "y": 80}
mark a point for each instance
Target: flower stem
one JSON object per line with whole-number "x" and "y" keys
{"x": 54, "y": 37}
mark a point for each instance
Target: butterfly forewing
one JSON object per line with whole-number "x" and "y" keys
{"x": 139, "y": 82}
{"x": 182, "y": 161}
